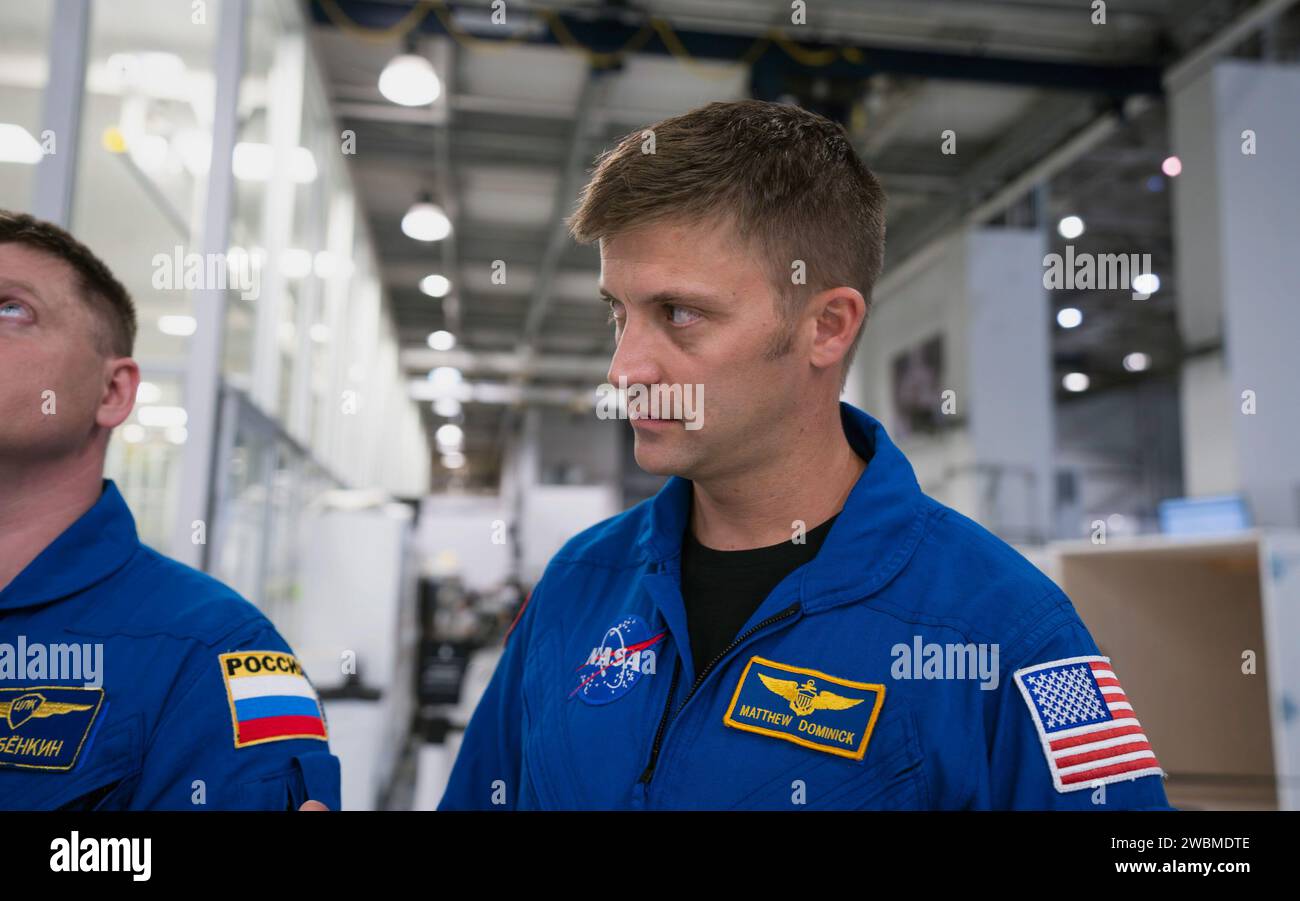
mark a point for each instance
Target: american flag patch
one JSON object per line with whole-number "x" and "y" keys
{"x": 1085, "y": 723}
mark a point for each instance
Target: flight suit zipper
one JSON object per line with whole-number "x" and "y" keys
{"x": 664, "y": 720}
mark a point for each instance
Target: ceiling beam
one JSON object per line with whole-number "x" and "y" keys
{"x": 608, "y": 30}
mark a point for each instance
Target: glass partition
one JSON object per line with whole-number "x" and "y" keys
{"x": 142, "y": 169}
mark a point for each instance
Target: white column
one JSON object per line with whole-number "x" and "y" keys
{"x": 203, "y": 362}
{"x": 284, "y": 123}
{"x": 1236, "y": 218}
{"x": 61, "y": 113}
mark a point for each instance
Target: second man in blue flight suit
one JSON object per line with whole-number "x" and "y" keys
{"x": 127, "y": 681}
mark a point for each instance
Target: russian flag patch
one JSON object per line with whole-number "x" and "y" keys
{"x": 270, "y": 698}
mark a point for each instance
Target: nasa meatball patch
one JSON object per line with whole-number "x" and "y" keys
{"x": 624, "y": 653}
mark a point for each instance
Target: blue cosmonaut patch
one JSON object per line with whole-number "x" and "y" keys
{"x": 614, "y": 666}
{"x": 43, "y": 727}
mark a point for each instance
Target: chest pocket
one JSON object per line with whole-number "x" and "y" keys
{"x": 542, "y": 750}
{"x": 890, "y": 777}
{"x": 102, "y": 780}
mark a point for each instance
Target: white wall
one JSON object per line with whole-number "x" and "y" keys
{"x": 1010, "y": 378}
{"x": 555, "y": 513}
{"x": 930, "y": 303}
{"x": 359, "y": 597}
{"x": 982, "y": 291}
{"x": 456, "y": 535}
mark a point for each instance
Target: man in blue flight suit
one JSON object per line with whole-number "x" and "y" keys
{"x": 127, "y": 681}
{"x": 790, "y": 623}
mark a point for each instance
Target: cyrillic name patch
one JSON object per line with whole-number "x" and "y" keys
{"x": 812, "y": 709}
{"x": 43, "y": 727}
{"x": 1085, "y": 723}
{"x": 270, "y": 698}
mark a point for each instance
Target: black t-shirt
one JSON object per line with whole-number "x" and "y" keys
{"x": 722, "y": 589}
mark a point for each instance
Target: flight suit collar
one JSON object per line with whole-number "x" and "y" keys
{"x": 869, "y": 543}
{"x": 87, "y": 552}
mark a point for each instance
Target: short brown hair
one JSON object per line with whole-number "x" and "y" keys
{"x": 110, "y": 301}
{"x": 787, "y": 179}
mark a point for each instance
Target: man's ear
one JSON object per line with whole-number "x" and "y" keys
{"x": 121, "y": 380}
{"x": 840, "y": 314}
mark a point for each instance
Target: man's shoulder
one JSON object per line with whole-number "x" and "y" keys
{"x": 965, "y": 576}
{"x": 165, "y": 598}
{"x": 610, "y": 543}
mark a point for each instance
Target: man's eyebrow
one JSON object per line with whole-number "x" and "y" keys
{"x": 669, "y": 296}
{"x": 16, "y": 283}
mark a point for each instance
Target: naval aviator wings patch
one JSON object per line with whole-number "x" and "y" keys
{"x": 806, "y": 707}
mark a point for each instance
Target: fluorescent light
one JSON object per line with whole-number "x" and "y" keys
{"x": 1172, "y": 166}
{"x": 441, "y": 340}
{"x": 1069, "y": 317}
{"x": 256, "y": 162}
{"x": 409, "y": 80}
{"x": 446, "y": 406}
{"x": 435, "y": 285}
{"x": 162, "y": 417}
{"x": 1146, "y": 283}
{"x": 177, "y": 434}
{"x": 453, "y": 459}
{"x": 445, "y": 377}
{"x": 449, "y": 436}
{"x": 1136, "y": 361}
{"x": 17, "y": 145}
{"x": 132, "y": 433}
{"x": 1070, "y": 227}
{"x": 426, "y": 221}
{"x": 1076, "y": 382}
{"x": 148, "y": 393}
{"x": 177, "y": 325}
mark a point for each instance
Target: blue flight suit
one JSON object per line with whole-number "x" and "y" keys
{"x": 831, "y": 696}
{"x": 195, "y": 703}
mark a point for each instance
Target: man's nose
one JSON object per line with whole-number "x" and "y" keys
{"x": 634, "y": 360}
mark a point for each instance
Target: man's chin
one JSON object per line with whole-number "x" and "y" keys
{"x": 658, "y": 462}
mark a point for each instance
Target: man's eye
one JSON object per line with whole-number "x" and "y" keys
{"x": 613, "y": 313}
{"x": 11, "y": 309}
{"x": 687, "y": 318}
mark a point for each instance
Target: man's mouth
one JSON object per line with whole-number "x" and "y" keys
{"x": 648, "y": 420}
